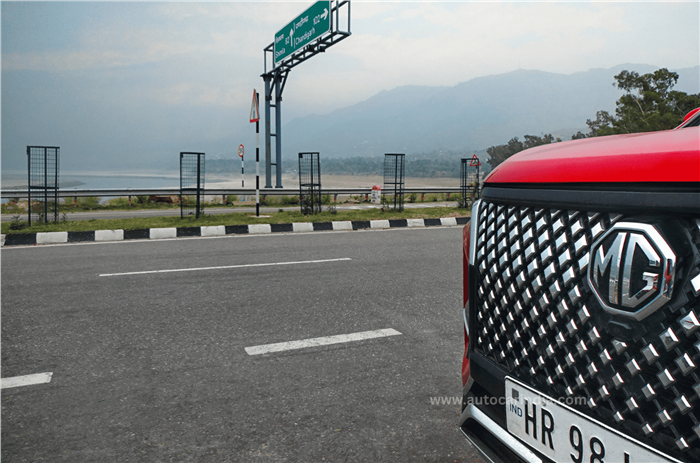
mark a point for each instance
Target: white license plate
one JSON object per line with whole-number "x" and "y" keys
{"x": 565, "y": 435}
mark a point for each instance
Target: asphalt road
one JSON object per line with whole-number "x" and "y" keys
{"x": 152, "y": 367}
{"x": 70, "y": 216}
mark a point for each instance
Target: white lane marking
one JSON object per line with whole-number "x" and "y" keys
{"x": 27, "y": 380}
{"x": 340, "y": 338}
{"x": 225, "y": 266}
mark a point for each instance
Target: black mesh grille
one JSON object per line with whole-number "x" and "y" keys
{"x": 536, "y": 317}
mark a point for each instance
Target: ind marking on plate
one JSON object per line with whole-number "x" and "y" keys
{"x": 304, "y": 29}
{"x": 563, "y": 434}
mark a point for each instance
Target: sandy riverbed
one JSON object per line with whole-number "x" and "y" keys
{"x": 337, "y": 181}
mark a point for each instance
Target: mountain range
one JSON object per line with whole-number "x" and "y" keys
{"x": 469, "y": 116}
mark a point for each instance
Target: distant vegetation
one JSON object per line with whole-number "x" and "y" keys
{"x": 436, "y": 164}
{"x": 500, "y": 153}
{"x": 648, "y": 105}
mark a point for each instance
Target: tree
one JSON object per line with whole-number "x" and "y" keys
{"x": 648, "y": 105}
{"x": 500, "y": 153}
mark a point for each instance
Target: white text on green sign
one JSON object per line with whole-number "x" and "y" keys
{"x": 304, "y": 29}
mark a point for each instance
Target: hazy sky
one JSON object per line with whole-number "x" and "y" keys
{"x": 119, "y": 83}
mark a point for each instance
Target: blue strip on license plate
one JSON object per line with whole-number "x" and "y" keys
{"x": 565, "y": 435}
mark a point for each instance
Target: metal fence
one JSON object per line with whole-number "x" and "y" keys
{"x": 469, "y": 181}
{"x": 393, "y": 192}
{"x": 21, "y": 193}
{"x": 310, "y": 183}
{"x": 191, "y": 184}
{"x": 42, "y": 193}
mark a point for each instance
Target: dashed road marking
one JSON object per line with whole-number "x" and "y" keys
{"x": 26, "y": 380}
{"x": 324, "y": 341}
{"x": 226, "y": 267}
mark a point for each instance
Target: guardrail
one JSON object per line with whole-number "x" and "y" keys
{"x": 120, "y": 192}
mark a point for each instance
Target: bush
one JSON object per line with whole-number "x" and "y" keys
{"x": 118, "y": 202}
{"x": 89, "y": 202}
{"x": 412, "y": 197}
{"x": 38, "y": 207}
{"x": 290, "y": 200}
{"x": 16, "y": 224}
{"x": 142, "y": 199}
{"x": 325, "y": 199}
{"x": 230, "y": 199}
{"x": 189, "y": 200}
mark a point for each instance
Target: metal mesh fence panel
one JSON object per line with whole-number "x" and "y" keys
{"x": 393, "y": 192}
{"x": 191, "y": 184}
{"x": 42, "y": 195}
{"x": 310, "y": 183}
{"x": 469, "y": 181}
{"x": 463, "y": 183}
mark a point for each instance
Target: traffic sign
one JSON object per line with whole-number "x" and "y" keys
{"x": 254, "y": 108}
{"x": 240, "y": 150}
{"x": 303, "y": 30}
{"x": 475, "y": 161}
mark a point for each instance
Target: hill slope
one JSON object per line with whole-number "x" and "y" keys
{"x": 472, "y": 115}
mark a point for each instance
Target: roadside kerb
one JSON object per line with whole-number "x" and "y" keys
{"x": 303, "y": 227}
{"x": 109, "y": 235}
{"x": 345, "y": 225}
{"x": 219, "y": 230}
{"x": 25, "y": 239}
{"x": 379, "y": 224}
{"x": 162, "y": 233}
{"x": 259, "y": 228}
{"x": 52, "y": 238}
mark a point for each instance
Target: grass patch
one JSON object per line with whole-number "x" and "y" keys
{"x": 90, "y": 203}
{"x": 236, "y": 218}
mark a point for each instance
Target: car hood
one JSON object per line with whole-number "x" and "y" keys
{"x": 668, "y": 156}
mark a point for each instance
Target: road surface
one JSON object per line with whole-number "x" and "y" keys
{"x": 147, "y": 346}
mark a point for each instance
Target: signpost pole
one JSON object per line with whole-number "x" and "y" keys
{"x": 268, "y": 156}
{"x": 257, "y": 168}
{"x": 308, "y": 34}
{"x": 255, "y": 117}
{"x": 199, "y": 186}
{"x": 240, "y": 153}
{"x": 476, "y": 163}
{"x": 278, "y": 129}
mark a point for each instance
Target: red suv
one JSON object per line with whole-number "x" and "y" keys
{"x": 582, "y": 302}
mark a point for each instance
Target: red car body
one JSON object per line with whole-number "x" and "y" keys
{"x": 582, "y": 281}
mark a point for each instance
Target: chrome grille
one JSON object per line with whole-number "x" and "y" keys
{"x": 537, "y": 318}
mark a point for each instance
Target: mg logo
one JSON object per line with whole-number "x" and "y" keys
{"x": 632, "y": 270}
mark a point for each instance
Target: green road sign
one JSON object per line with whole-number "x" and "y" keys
{"x": 303, "y": 30}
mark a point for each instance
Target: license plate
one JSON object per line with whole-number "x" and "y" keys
{"x": 565, "y": 435}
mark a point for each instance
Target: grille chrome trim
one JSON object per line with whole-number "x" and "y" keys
{"x": 473, "y": 226}
{"x": 645, "y": 382}
{"x": 695, "y": 283}
{"x": 471, "y": 412}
